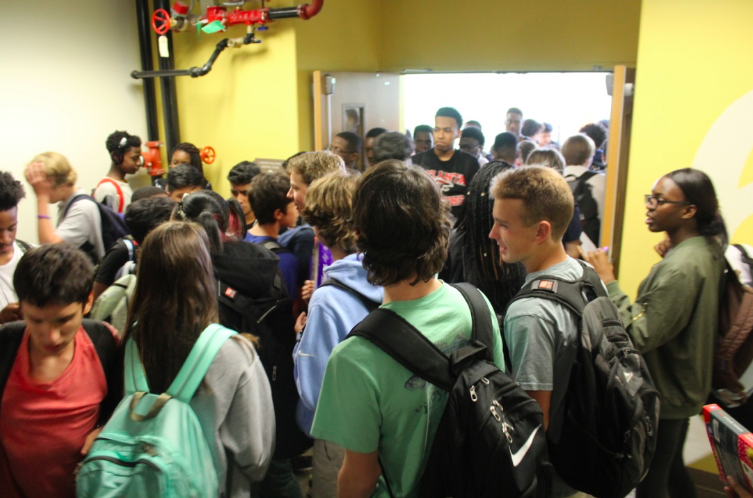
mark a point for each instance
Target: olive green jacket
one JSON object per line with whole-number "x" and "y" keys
{"x": 674, "y": 323}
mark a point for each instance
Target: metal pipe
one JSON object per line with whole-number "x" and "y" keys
{"x": 145, "y": 49}
{"x": 309, "y": 11}
{"x": 284, "y": 13}
{"x": 167, "y": 88}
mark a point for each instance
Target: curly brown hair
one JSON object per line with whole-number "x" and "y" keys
{"x": 329, "y": 208}
{"x": 314, "y": 165}
{"x": 403, "y": 224}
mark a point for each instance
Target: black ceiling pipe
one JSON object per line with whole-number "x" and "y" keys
{"x": 145, "y": 49}
{"x": 167, "y": 88}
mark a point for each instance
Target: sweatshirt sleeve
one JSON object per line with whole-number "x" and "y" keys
{"x": 248, "y": 431}
{"x": 662, "y": 310}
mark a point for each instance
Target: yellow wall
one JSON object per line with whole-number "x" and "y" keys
{"x": 693, "y": 107}
{"x": 489, "y": 35}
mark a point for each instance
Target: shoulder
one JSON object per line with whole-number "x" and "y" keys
{"x": 234, "y": 358}
{"x": 467, "y": 159}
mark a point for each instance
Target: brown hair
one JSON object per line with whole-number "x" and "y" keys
{"x": 174, "y": 300}
{"x": 403, "y": 223}
{"x": 314, "y": 165}
{"x": 544, "y": 192}
{"x": 329, "y": 207}
{"x": 549, "y": 157}
{"x": 578, "y": 149}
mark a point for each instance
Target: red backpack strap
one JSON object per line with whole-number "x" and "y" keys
{"x": 120, "y": 192}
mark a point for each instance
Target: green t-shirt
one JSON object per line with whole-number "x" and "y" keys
{"x": 369, "y": 401}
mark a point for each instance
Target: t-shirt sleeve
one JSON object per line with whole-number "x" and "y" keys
{"x": 115, "y": 257}
{"x": 530, "y": 340}
{"x": 107, "y": 194}
{"x": 348, "y": 411}
{"x": 77, "y": 227}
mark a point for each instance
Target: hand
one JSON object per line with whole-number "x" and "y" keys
{"x": 37, "y": 178}
{"x": 307, "y": 289}
{"x": 737, "y": 488}
{"x": 663, "y": 247}
{"x": 90, "y": 440}
{"x": 600, "y": 261}
{"x": 300, "y": 323}
{"x": 10, "y": 313}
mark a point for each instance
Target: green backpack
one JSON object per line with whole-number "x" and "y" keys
{"x": 112, "y": 305}
{"x": 154, "y": 445}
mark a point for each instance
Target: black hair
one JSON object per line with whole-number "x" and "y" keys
{"x": 146, "y": 192}
{"x": 120, "y": 142}
{"x": 697, "y": 188}
{"x": 193, "y": 152}
{"x": 53, "y": 274}
{"x": 11, "y": 192}
{"x": 498, "y": 281}
{"x": 243, "y": 172}
{"x": 375, "y": 132}
{"x": 184, "y": 176}
{"x": 392, "y": 145}
{"x": 530, "y": 128}
{"x": 596, "y": 132}
{"x": 422, "y": 128}
{"x": 505, "y": 146}
{"x": 268, "y": 193}
{"x": 474, "y": 133}
{"x": 473, "y": 123}
{"x": 354, "y": 141}
{"x": 209, "y": 210}
{"x": 514, "y": 110}
{"x": 450, "y": 112}
{"x": 547, "y": 127}
{"x": 144, "y": 215}
{"x": 236, "y": 224}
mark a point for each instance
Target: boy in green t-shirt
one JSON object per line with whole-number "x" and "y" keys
{"x": 369, "y": 403}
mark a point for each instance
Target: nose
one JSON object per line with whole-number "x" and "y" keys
{"x": 290, "y": 193}
{"x": 6, "y": 237}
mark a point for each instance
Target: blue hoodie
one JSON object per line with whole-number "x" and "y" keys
{"x": 332, "y": 314}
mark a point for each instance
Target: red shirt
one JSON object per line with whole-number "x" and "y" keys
{"x": 43, "y": 426}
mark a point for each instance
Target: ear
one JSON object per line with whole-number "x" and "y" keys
{"x": 543, "y": 231}
{"x": 89, "y": 302}
{"x": 278, "y": 214}
{"x": 689, "y": 212}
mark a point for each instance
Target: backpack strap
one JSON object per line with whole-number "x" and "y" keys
{"x": 23, "y": 245}
{"x": 481, "y": 317}
{"x": 368, "y": 303}
{"x": 75, "y": 200}
{"x": 129, "y": 245}
{"x": 272, "y": 245}
{"x": 409, "y": 347}
{"x": 107, "y": 351}
{"x": 11, "y": 335}
{"x": 748, "y": 260}
{"x": 117, "y": 189}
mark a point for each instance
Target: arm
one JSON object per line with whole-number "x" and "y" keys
{"x": 544, "y": 399}
{"x": 37, "y": 178}
{"x": 358, "y": 475}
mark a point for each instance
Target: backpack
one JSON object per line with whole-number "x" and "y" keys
{"x": 113, "y": 225}
{"x": 121, "y": 197}
{"x": 584, "y": 199}
{"x": 490, "y": 440}
{"x": 129, "y": 267}
{"x": 611, "y": 407}
{"x": 734, "y": 348}
{"x": 112, "y": 305}
{"x": 154, "y": 445}
{"x": 271, "y": 320}
{"x": 12, "y": 333}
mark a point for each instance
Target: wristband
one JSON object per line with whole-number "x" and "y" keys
{"x": 43, "y": 217}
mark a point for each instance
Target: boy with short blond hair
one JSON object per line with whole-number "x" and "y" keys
{"x": 532, "y": 208}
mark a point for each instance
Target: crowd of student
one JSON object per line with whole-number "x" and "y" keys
{"x": 316, "y": 247}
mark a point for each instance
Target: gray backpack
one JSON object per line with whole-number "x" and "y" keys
{"x": 112, "y": 305}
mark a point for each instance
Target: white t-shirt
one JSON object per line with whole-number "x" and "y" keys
{"x": 7, "y": 291}
{"x": 735, "y": 259}
{"x": 107, "y": 193}
{"x": 81, "y": 224}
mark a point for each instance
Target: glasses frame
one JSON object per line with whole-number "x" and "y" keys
{"x": 652, "y": 200}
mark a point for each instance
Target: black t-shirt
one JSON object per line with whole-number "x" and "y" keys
{"x": 116, "y": 256}
{"x": 453, "y": 176}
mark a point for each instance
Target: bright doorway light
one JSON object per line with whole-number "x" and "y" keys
{"x": 567, "y": 101}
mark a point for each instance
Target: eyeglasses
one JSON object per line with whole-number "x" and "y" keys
{"x": 654, "y": 201}
{"x": 335, "y": 150}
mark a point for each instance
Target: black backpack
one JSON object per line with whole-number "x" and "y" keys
{"x": 584, "y": 199}
{"x": 368, "y": 303}
{"x": 611, "y": 407}
{"x": 490, "y": 441}
{"x": 113, "y": 225}
{"x": 12, "y": 333}
{"x": 271, "y": 320}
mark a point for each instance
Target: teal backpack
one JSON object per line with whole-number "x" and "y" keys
{"x": 153, "y": 445}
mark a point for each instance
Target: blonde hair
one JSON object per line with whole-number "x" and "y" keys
{"x": 547, "y": 157}
{"x": 314, "y": 165}
{"x": 545, "y": 194}
{"x": 57, "y": 167}
{"x": 329, "y": 207}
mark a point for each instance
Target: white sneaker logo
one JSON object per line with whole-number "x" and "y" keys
{"x": 519, "y": 455}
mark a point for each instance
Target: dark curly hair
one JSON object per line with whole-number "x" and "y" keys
{"x": 11, "y": 192}
{"x": 120, "y": 142}
{"x": 403, "y": 224}
{"x": 193, "y": 152}
{"x": 243, "y": 172}
{"x": 144, "y": 215}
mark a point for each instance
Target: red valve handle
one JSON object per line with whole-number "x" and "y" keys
{"x": 161, "y": 21}
{"x": 207, "y": 154}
